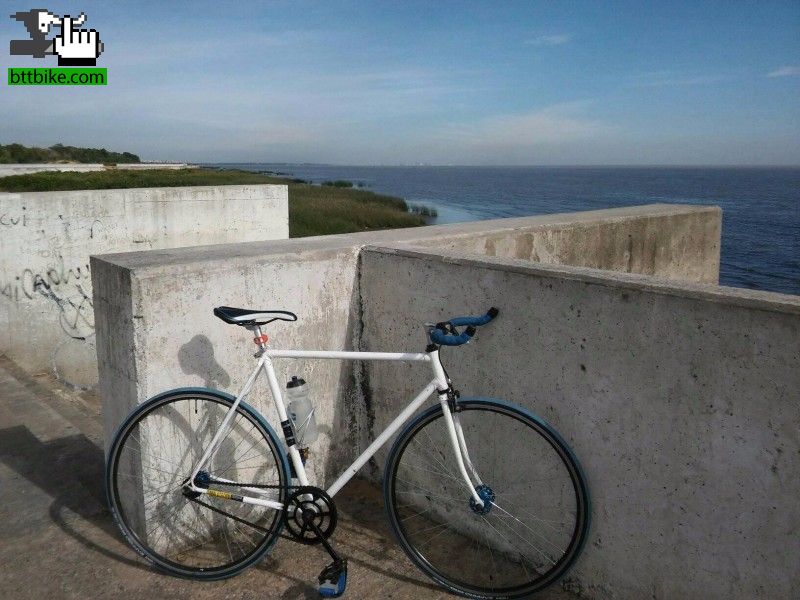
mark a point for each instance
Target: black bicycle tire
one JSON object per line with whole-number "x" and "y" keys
{"x": 554, "y": 439}
{"x": 113, "y": 456}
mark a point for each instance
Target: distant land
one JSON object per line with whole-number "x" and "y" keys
{"x": 59, "y": 153}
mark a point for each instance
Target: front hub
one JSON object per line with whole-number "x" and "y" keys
{"x": 486, "y": 494}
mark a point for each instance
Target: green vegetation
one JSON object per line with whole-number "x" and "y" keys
{"x": 313, "y": 209}
{"x": 322, "y": 210}
{"x": 120, "y": 179}
{"x": 340, "y": 183}
{"x": 421, "y": 209}
{"x": 17, "y": 153}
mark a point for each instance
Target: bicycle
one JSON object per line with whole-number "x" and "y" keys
{"x": 484, "y": 497}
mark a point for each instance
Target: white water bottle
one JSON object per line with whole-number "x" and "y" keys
{"x": 301, "y": 412}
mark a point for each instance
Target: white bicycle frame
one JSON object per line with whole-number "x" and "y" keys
{"x": 439, "y": 383}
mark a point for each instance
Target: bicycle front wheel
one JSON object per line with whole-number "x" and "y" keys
{"x": 535, "y": 514}
{"x": 150, "y": 462}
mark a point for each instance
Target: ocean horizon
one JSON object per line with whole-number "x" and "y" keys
{"x": 760, "y": 204}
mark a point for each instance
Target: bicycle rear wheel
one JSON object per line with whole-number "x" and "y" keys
{"x": 536, "y": 512}
{"x": 150, "y": 461}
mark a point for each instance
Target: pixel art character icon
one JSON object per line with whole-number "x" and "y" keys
{"x": 74, "y": 47}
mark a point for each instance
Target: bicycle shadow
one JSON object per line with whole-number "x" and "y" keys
{"x": 196, "y": 357}
{"x": 70, "y": 471}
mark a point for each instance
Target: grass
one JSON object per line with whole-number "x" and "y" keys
{"x": 52, "y": 181}
{"x": 421, "y": 209}
{"x": 320, "y": 210}
{"x": 313, "y": 209}
{"x": 340, "y": 183}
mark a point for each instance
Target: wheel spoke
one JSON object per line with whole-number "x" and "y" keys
{"x": 151, "y": 460}
{"x": 517, "y": 542}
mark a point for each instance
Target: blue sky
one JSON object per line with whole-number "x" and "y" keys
{"x": 427, "y": 82}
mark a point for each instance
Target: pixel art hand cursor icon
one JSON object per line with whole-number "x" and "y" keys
{"x": 77, "y": 47}
{"x": 74, "y": 47}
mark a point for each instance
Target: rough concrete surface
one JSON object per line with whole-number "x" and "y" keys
{"x": 644, "y": 398}
{"x": 144, "y": 349}
{"x": 681, "y": 401}
{"x": 46, "y": 315}
{"x": 649, "y": 240}
{"x": 57, "y": 539}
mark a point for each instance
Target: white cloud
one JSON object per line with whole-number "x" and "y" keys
{"x": 787, "y": 71}
{"x": 549, "y": 40}
{"x": 550, "y": 125}
{"x": 672, "y": 78}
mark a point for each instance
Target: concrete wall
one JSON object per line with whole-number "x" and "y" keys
{"x": 46, "y": 317}
{"x": 679, "y": 397}
{"x": 25, "y": 168}
{"x": 681, "y": 401}
{"x": 146, "y": 166}
{"x": 143, "y": 349}
{"x": 318, "y": 279}
{"x": 651, "y": 240}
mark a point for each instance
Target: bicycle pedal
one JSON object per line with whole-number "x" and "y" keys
{"x": 333, "y": 579}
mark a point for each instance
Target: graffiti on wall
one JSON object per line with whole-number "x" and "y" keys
{"x": 75, "y": 312}
{"x": 10, "y": 219}
{"x": 67, "y": 293}
{"x": 51, "y": 287}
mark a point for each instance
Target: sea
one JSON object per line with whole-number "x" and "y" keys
{"x": 760, "y": 206}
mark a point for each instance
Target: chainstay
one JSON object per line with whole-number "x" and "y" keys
{"x": 257, "y": 485}
{"x": 229, "y": 515}
{"x": 240, "y": 520}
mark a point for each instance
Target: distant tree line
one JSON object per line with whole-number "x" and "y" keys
{"x": 17, "y": 153}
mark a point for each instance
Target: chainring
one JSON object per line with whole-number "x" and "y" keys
{"x": 308, "y": 505}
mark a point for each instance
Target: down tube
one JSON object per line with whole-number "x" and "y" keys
{"x": 382, "y": 438}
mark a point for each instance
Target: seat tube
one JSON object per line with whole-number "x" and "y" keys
{"x": 275, "y": 389}
{"x": 443, "y": 387}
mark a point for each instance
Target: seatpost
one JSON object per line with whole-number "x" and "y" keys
{"x": 260, "y": 339}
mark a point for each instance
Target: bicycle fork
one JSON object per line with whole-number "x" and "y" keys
{"x": 455, "y": 431}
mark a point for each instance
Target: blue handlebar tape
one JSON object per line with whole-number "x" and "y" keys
{"x": 444, "y": 339}
{"x": 475, "y": 321}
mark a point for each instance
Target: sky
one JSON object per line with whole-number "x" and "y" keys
{"x": 471, "y": 83}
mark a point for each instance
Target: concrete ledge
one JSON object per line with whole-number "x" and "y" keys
{"x": 756, "y": 299}
{"x": 654, "y": 240}
{"x": 318, "y": 278}
{"x": 693, "y": 232}
{"x": 147, "y": 166}
{"x": 26, "y": 168}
